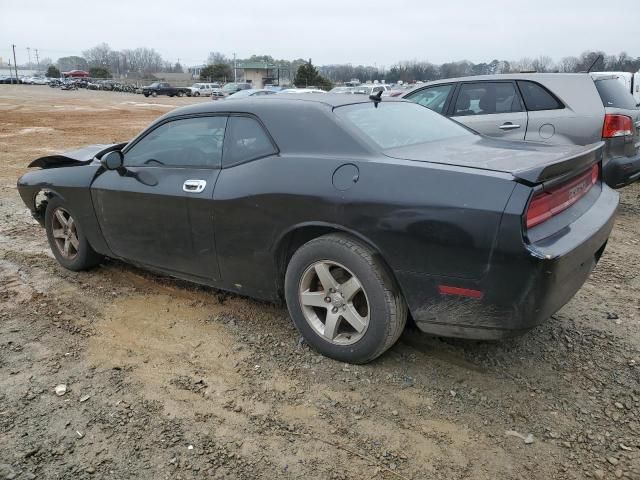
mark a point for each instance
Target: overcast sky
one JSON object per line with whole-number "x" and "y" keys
{"x": 347, "y": 31}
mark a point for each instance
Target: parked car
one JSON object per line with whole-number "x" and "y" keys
{"x": 11, "y": 79}
{"x": 35, "y": 80}
{"x": 164, "y": 88}
{"x": 231, "y": 88}
{"x": 202, "y": 89}
{"x": 251, "y": 92}
{"x": 554, "y": 108}
{"x": 371, "y": 89}
{"x": 342, "y": 90}
{"x": 394, "y": 208}
{"x": 301, "y": 90}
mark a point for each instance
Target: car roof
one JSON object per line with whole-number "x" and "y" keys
{"x": 502, "y": 76}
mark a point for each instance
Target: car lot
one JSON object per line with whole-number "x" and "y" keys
{"x": 167, "y": 366}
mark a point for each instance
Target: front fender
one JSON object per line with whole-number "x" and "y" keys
{"x": 72, "y": 185}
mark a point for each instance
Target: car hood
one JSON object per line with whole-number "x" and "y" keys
{"x": 75, "y": 157}
{"x": 527, "y": 161}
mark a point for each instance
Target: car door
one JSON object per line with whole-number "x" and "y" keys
{"x": 549, "y": 121}
{"x": 244, "y": 227}
{"x": 493, "y": 108}
{"x": 157, "y": 210}
{"x": 435, "y": 97}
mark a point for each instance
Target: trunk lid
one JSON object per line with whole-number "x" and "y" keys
{"x": 529, "y": 162}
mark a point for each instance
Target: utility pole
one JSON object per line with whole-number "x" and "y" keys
{"x": 29, "y": 56}
{"x": 37, "y": 59}
{"x": 15, "y": 65}
{"x": 235, "y": 77}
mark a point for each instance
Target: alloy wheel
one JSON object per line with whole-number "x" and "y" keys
{"x": 65, "y": 233}
{"x": 334, "y": 302}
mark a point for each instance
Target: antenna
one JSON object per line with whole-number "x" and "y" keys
{"x": 377, "y": 98}
{"x": 594, "y": 62}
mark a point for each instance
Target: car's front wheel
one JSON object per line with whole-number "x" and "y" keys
{"x": 343, "y": 300}
{"x": 67, "y": 239}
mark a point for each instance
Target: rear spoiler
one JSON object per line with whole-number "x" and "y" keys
{"x": 564, "y": 168}
{"x": 75, "y": 157}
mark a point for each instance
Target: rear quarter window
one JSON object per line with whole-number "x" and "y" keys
{"x": 614, "y": 94}
{"x": 536, "y": 97}
{"x": 399, "y": 124}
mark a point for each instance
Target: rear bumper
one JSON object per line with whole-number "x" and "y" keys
{"x": 519, "y": 290}
{"x": 621, "y": 171}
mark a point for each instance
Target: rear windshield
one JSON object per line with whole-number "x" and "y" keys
{"x": 614, "y": 94}
{"x": 398, "y": 124}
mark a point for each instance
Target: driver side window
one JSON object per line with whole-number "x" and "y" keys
{"x": 189, "y": 142}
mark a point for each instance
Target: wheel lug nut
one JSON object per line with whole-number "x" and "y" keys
{"x": 334, "y": 310}
{"x": 327, "y": 299}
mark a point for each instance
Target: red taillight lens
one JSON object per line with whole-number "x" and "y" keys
{"x": 617, "y": 126}
{"x": 547, "y": 203}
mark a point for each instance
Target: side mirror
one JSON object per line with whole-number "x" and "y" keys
{"x": 112, "y": 160}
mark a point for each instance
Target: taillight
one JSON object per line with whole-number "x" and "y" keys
{"x": 617, "y": 126}
{"x": 547, "y": 203}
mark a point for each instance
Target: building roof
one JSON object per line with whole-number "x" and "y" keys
{"x": 256, "y": 66}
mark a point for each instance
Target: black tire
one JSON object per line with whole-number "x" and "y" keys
{"x": 197, "y": 94}
{"x": 386, "y": 306}
{"x": 146, "y": 94}
{"x": 180, "y": 94}
{"x": 154, "y": 94}
{"x": 85, "y": 256}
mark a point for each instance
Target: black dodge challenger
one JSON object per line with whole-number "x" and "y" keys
{"x": 357, "y": 212}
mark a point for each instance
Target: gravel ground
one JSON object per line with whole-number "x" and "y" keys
{"x": 168, "y": 380}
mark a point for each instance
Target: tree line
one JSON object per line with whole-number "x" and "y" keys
{"x": 411, "y": 71}
{"x": 103, "y": 62}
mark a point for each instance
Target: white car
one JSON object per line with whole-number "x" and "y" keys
{"x": 301, "y": 90}
{"x": 203, "y": 89}
{"x": 372, "y": 88}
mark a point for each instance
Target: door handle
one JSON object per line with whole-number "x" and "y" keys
{"x": 194, "y": 186}
{"x": 508, "y": 126}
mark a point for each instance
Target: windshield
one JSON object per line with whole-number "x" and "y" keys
{"x": 399, "y": 124}
{"x": 230, "y": 87}
{"x": 154, "y": 84}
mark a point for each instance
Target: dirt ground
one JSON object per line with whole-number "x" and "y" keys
{"x": 168, "y": 380}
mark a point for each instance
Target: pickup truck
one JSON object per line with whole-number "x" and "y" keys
{"x": 163, "y": 88}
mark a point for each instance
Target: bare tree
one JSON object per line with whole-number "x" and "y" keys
{"x": 543, "y": 64}
{"x": 215, "y": 58}
{"x": 98, "y": 56}
{"x": 522, "y": 65}
{"x": 568, "y": 65}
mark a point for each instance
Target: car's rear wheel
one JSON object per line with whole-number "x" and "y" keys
{"x": 343, "y": 300}
{"x": 66, "y": 238}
